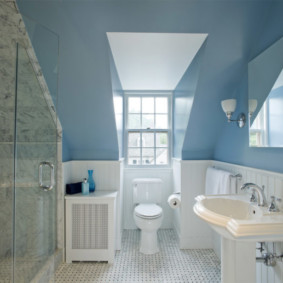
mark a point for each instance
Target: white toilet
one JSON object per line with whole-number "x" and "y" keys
{"x": 148, "y": 215}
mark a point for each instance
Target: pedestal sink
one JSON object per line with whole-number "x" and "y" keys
{"x": 241, "y": 224}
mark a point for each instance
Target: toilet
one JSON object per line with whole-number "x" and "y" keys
{"x": 148, "y": 215}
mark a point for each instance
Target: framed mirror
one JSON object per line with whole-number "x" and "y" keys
{"x": 266, "y": 97}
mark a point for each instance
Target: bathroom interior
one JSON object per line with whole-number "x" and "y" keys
{"x": 159, "y": 99}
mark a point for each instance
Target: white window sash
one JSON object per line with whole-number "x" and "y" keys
{"x": 168, "y": 131}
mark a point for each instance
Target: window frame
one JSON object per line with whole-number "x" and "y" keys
{"x": 263, "y": 129}
{"x": 167, "y": 94}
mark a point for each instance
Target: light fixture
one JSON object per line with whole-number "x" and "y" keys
{"x": 229, "y": 106}
{"x": 252, "y": 106}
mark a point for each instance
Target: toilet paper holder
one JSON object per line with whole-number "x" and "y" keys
{"x": 174, "y": 200}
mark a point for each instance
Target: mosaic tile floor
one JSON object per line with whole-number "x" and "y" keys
{"x": 25, "y": 268}
{"x": 130, "y": 266}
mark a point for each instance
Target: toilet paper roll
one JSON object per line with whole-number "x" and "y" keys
{"x": 174, "y": 200}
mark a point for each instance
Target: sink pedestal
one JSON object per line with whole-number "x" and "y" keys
{"x": 238, "y": 261}
{"x": 240, "y": 224}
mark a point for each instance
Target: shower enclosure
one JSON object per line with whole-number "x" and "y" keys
{"x": 28, "y": 151}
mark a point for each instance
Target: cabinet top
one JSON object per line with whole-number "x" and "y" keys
{"x": 96, "y": 194}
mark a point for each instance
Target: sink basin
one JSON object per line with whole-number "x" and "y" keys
{"x": 235, "y": 218}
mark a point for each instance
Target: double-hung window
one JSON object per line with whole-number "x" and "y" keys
{"x": 148, "y": 129}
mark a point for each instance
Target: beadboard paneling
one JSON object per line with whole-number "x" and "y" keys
{"x": 273, "y": 183}
{"x": 176, "y": 167}
{"x": 106, "y": 173}
{"x": 189, "y": 176}
{"x": 194, "y": 233}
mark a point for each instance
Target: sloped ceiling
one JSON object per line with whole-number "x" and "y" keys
{"x": 85, "y": 94}
{"x": 153, "y": 61}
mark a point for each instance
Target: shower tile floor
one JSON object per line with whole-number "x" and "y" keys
{"x": 130, "y": 266}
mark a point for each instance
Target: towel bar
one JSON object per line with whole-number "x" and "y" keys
{"x": 236, "y": 176}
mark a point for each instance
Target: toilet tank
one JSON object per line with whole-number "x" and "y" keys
{"x": 147, "y": 190}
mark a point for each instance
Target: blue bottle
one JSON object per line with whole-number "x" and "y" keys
{"x": 85, "y": 187}
{"x": 91, "y": 181}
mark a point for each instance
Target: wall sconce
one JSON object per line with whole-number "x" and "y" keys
{"x": 252, "y": 106}
{"x": 229, "y": 106}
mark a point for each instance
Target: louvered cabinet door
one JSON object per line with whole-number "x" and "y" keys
{"x": 90, "y": 226}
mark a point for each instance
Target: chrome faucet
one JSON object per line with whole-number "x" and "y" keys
{"x": 261, "y": 200}
{"x": 273, "y": 206}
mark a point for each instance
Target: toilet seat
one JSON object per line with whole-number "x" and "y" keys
{"x": 148, "y": 210}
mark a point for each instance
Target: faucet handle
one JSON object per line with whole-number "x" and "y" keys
{"x": 273, "y": 206}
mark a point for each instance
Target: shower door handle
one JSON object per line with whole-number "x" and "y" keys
{"x": 52, "y": 181}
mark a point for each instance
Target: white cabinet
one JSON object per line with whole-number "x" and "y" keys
{"x": 90, "y": 226}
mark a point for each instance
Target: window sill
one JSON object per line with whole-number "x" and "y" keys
{"x": 167, "y": 168}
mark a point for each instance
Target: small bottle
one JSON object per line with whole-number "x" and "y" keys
{"x": 91, "y": 181}
{"x": 85, "y": 187}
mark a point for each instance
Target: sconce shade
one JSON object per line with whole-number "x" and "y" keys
{"x": 229, "y": 105}
{"x": 252, "y": 105}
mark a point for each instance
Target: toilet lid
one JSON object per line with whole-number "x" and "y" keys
{"x": 148, "y": 210}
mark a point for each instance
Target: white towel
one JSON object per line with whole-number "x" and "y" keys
{"x": 233, "y": 185}
{"x": 218, "y": 182}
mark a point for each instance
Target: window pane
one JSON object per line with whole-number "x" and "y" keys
{"x": 161, "y": 156}
{"x": 161, "y": 121}
{"x": 134, "y": 156}
{"x": 134, "y": 105}
{"x": 147, "y": 156}
{"x": 147, "y": 105}
{"x": 134, "y": 140}
{"x": 147, "y": 139}
{"x": 161, "y": 140}
{"x": 161, "y": 105}
{"x": 134, "y": 121}
{"x": 148, "y": 121}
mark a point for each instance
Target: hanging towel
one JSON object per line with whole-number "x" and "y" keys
{"x": 218, "y": 182}
{"x": 211, "y": 181}
{"x": 233, "y": 185}
{"x": 223, "y": 182}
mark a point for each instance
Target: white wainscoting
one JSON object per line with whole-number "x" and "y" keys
{"x": 273, "y": 183}
{"x": 189, "y": 178}
{"x": 108, "y": 175}
{"x": 176, "y": 167}
{"x": 165, "y": 175}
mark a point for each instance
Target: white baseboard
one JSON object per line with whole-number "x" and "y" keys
{"x": 118, "y": 242}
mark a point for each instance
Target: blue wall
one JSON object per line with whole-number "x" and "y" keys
{"x": 233, "y": 143}
{"x": 46, "y": 46}
{"x": 227, "y": 52}
{"x": 85, "y": 94}
{"x": 118, "y": 99}
{"x": 183, "y": 98}
{"x": 65, "y": 150}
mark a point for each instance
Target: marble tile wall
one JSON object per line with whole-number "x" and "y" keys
{"x": 9, "y": 35}
{"x": 37, "y": 226}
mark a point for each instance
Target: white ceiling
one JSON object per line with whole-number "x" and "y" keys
{"x": 153, "y": 61}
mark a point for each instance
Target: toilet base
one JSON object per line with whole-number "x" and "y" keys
{"x": 149, "y": 243}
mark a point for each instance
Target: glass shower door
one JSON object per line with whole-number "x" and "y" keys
{"x": 35, "y": 175}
